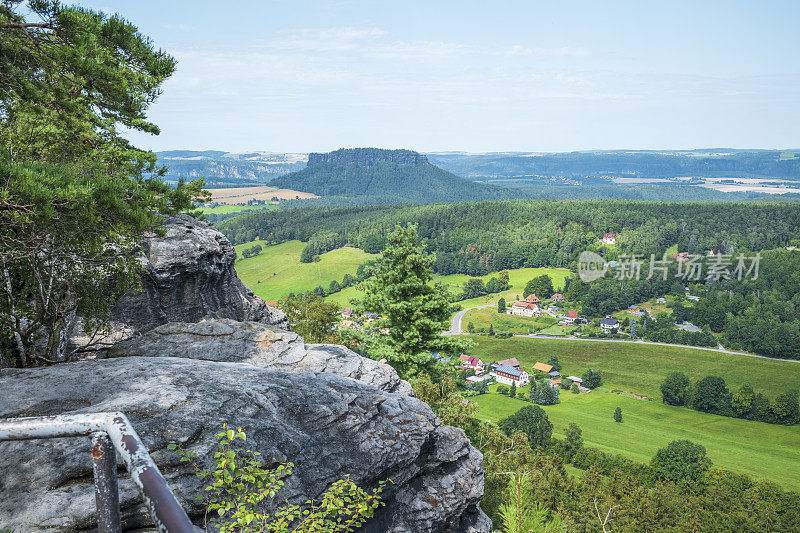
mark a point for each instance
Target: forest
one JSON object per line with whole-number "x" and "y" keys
{"x": 476, "y": 238}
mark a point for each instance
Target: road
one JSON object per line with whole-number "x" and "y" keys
{"x": 455, "y": 322}
{"x": 455, "y": 329}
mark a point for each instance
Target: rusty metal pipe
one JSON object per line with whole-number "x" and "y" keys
{"x": 106, "y": 493}
{"x": 167, "y": 514}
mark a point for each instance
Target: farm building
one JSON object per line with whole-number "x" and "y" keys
{"x": 543, "y": 367}
{"x": 470, "y": 361}
{"x": 513, "y": 363}
{"x": 508, "y": 375}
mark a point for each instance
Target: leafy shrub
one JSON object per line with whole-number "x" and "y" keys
{"x": 239, "y": 483}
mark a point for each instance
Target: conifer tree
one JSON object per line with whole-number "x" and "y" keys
{"x": 416, "y": 311}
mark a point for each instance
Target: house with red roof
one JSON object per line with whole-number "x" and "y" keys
{"x": 527, "y": 307}
{"x": 558, "y": 297}
{"x": 609, "y": 238}
{"x": 470, "y": 361}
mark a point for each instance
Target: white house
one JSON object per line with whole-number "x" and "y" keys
{"x": 661, "y": 301}
{"x": 609, "y": 323}
{"x": 508, "y": 375}
{"x": 609, "y": 238}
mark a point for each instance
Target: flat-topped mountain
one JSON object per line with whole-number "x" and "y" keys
{"x": 366, "y": 157}
{"x": 384, "y": 176}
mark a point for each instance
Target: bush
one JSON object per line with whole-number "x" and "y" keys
{"x": 680, "y": 460}
{"x": 239, "y": 483}
{"x": 711, "y": 395}
{"x": 533, "y": 422}
{"x": 618, "y": 414}
{"x": 502, "y": 389}
{"x": 574, "y": 389}
{"x": 592, "y": 379}
{"x": 676, "y": 389}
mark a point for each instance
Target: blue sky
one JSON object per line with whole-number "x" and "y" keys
{"x": 474, "y": 76}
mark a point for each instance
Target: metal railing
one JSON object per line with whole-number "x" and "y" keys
{"x": 109, "y": 431}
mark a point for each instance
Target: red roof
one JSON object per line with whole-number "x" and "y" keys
{"x": 271, "y": 303}
{"x": 609, "y": 235}
{"x": 532, "y": 298}
{"x": 572, "y": 313}
{"x": 558, "y": 296}
{"x": 509, "y": 362}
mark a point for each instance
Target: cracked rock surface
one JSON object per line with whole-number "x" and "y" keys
{"x": 259, "y": 345}
{"x": 188, "y": 275}
{"x": 328, "y": 425}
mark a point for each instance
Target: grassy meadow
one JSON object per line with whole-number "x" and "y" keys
{"x": 277, "y": 270}
{"x": 754, "y": 448}
{"x": 641, "y": 368}
{"x": 517, "y": 279}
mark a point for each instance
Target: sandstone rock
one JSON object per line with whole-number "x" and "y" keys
{"x": 259, "y": 345}
{"x": 329, "y": 426}
{"x": 189, "y": 275}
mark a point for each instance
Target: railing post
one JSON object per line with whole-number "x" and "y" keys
{"x": 104, "y": 466}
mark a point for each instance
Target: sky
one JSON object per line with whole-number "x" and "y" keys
{"x": 475, "y": 76}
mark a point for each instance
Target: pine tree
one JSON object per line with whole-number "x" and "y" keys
{"x": 416, "y": 311}
{"x": 618, "y": 415}
{"x": 501, "y": 305}
{"x": 513, "y": 392}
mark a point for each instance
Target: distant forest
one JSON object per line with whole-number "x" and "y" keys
{"x": 479, "y": 237}
{"x": 475, "y": 238}
{"x": 648, "y": 164}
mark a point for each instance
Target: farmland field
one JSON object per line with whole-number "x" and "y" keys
{"x": 277, "y": 271}
{"x": 754, "y": 448}
{"x": 641, "y": 368}
{"x": 227, "y": 209}
{"x": 517, "y": 279}
{"x": 238, "y": 195}
{"x": 481, "y": 318}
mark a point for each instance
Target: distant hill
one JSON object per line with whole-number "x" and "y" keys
{"x": 228, "y": 169}
{"x": 383, "y": 176}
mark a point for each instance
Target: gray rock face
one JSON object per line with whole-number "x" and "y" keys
{"x": 190, "y": 276}
{"x": 328, "y": 425}
{"x": 365, "y": 157}
{"x": 259, "y": 345}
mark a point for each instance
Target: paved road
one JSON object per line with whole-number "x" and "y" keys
{"x": 455, "y": 323}
{"x": 455, "y": 329}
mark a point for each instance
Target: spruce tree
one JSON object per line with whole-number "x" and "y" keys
{"x": 415, "y": 310}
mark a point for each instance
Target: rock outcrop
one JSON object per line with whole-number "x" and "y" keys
{"x": 365, "y": 157}
{"x": 328, "y": 425}
{"x": 188, "y": 276}
{"x": 226, "y": 340}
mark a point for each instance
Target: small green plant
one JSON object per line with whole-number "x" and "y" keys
{"x": 574, "y": 389}
{"x": 618, "y": 414}
{"x": 239, "y": 483}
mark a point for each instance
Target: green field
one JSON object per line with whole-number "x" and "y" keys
{"x": 754, "y": 448}
{"x": 277, "y": 271}
{"x": 481, "y": 318}
{"x": 641, "y": 368}
{"x": 227, "y": 209}
{"x": 517, "y": 279}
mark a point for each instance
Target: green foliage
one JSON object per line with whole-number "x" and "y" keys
{"x": 312, "y": 318}
{"x": 592, "y": 379}
{"x": 415, "y": 310}
{"x": 554, "y": 362}
{"x": 680, "y": 460}
{"x": 676, "y": 389}
{"x": 543, "y": 393}
{"x": 252, "y": 251}
{"x": 519, "y": 514}
{"x": 574, "y": 389}
{"x": 502, "y": 389}
{"x": 532, "y": 421}
{"x": 573, "y": 440}
{"x": 786, "y": 408}
{"x": 75, "y": 196}
{"x": 618, "y": 414}
{"x": 541, "y": 286}
{"x": 238, "y": 485}
{"x": 742, "y": 401}
{"x": 711, "y": 395}
{"x": 501, "y": 305}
